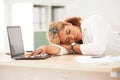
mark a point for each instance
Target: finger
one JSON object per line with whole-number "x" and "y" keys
{"x": 43, "y": 53}
{"x": 33, "y": 52}
{"x": 27, "y": 54}
{"x": 37, "y": 52}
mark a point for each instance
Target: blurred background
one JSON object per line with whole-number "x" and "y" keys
{"x": 34, "y": 16}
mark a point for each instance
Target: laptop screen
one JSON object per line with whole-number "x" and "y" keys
{"x": 15, "y": 40}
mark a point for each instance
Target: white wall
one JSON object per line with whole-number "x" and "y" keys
{"x": 2, "y": 24}
{"x": 20, "y": 13}
{"x": 110, "y": 9}
{"x": 83, "y": 8}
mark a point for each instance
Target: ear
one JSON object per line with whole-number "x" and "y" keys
{"x": 76, "y": 21}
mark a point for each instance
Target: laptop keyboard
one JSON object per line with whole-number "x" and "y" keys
{"x": 38, "y": 57}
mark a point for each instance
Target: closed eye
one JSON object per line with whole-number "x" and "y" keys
{"x": 68, "y": 32}
{"x": 67, "y": 40}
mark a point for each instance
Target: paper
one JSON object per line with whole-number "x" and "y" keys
{"x": 92, "y": 59}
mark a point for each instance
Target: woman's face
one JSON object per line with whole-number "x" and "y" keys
{"x": 70, "y": 34}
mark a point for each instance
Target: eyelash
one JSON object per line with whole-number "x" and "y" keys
{"x": 68, "y": 32}
{"x": 68, "y": 39}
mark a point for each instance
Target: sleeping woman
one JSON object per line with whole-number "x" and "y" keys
{"x": 92, "y": 36}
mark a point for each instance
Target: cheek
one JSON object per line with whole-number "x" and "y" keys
{"x": 62, "y": 37}
{"x": 80, "y": 36}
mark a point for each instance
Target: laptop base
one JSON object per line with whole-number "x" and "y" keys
{"x": 30, "y": 58}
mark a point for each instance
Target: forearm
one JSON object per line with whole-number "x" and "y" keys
{"x": 50, "y": 49}
{"x": 76, "y": 47}
{"x": 66, "y": 46}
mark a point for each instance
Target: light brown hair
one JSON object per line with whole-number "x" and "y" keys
{"x": 55, "y": 27}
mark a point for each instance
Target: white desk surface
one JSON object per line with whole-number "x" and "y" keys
{"x": 64, "y": 63}
{"x": 61, "y": 62}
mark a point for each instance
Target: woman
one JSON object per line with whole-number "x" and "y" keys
{"x": 90, "y": 37}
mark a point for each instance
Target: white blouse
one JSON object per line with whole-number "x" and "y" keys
{"x": 98, "y": 37}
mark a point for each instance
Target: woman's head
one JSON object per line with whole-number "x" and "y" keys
{"x": 67, "y": 31}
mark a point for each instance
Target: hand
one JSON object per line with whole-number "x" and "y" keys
{"x": 41, "y": 51}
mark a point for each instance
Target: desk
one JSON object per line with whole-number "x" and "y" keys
{"x": 56, "y": 68}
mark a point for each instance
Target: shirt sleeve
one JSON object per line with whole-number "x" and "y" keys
{"x": 99, "y": 30}
{"x": 63, "y": 51}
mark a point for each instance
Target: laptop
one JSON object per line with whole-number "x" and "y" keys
{"x": 16, "y": 45}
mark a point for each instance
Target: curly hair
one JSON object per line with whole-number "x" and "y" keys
{"x": 52, "y": 33}
{"x": 76, "y": 21}
{"x": 55, "y": 27}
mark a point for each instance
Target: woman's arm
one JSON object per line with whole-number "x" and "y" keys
{"x": 49, "y": 49}
{"x": 76, "y": 47}
{"x": 66, "y": 46}
{"x": 98, "y": 34}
